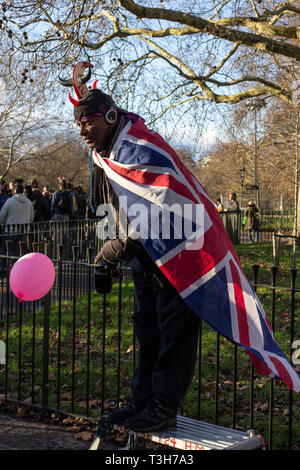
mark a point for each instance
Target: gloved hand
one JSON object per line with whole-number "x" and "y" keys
{"x": 115, "y": 250}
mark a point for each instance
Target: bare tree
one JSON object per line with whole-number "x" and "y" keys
{"x": 27, "y": 130}
{"x": 181, "y": 54}
{"x": 277, "y": 143}
{"x": 65, "y": 156}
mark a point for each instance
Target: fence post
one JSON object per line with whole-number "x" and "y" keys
{"x": 276, "y": 248}
{"x": 45, "y": 386}
{"x": 292, "y": 333}
{"x": 255, "y": 268}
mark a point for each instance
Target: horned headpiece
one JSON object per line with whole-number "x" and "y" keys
{"x": 90, "y": 102}
{"x": 78, "y": 81}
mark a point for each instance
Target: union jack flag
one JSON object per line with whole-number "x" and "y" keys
{"x": 206, "y": 272}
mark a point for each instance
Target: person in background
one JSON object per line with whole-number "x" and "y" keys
{"x": 233, "y": 203}
{"x": 17, "y": 209}
{"x": 10, "y": 188}
{"x": 40, "y": 205}
{"x": 3, "y": 198}
{"x": 47, "y": 194}
{"x": 73, "y": 201}
{"x": 16, "y": 214}
{"x": 81, "y": 201}
{"x": 60, "y": 209}
{"x": 220, "y": 207}
{"x": 28, "y": 192}
{"x": 252, "y": 221}
{"x": 3, "y": 194}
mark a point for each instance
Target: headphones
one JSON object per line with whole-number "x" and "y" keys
{"x": 111, "y": 116}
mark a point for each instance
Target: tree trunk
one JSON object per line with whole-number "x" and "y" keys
{"x": 298, "y": 215}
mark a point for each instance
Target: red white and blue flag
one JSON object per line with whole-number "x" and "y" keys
{"x": 205, "y": 270}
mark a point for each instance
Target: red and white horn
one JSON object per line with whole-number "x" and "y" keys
{"x": 78, "y": 81}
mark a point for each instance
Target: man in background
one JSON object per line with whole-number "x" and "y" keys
{"x": 16, "y": 213}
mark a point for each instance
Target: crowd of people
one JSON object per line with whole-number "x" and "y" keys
{"x": 27, "y": 203}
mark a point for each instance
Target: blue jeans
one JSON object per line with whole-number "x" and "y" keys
{"x": 250, "y": 235}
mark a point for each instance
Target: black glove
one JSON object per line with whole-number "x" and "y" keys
{"x": 116, "y": 250}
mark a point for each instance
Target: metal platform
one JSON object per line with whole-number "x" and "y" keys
{"x": 191, "y": 434}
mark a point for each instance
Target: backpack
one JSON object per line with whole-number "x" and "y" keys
{"x": 64, "y": 203}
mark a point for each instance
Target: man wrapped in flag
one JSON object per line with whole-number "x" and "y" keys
{"x": 184, "y": 265}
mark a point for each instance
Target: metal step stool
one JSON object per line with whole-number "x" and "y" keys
{"x": 191, "y": 434}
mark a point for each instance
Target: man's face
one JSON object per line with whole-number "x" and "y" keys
{"x": 94, "y": 132}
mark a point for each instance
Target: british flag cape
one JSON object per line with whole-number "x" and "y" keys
{"x": 145, "y": 171}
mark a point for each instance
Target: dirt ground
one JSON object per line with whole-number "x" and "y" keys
{"x": 24, "y": 429}
{"x": 25, "y": 434}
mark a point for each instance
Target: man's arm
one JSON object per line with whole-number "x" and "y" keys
{"x": 116, "y": 250}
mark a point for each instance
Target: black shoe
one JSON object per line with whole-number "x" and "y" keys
{"x": 129, "y": 410}
{"x": 154, "y": 417}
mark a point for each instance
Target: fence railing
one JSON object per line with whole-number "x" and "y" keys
{"x": 83, "y": 234}
{"x": 74, "y": 352}
{"x": 34, "y": 237}
{"x": 269, "y": 222}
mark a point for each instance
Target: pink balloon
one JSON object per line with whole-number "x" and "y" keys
{"x": 32, "y": 276}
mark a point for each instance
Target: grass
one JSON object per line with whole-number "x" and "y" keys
{"x": 214, "y": 386}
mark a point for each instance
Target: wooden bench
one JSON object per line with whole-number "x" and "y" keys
{"x": 191, "y": 434}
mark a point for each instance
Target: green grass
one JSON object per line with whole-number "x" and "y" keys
{"x": 70, "y": 333}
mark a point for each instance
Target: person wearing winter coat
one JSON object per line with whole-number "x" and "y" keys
{"x": 233, "y": 205}
{"x": 18, "y": 209}
{"x": 252, "y": 221}
{"x": 3, "y": 195}
{"x": 40, "y": 205}
{"x": 60, "y": 209}
{"x": 16, "y": 214}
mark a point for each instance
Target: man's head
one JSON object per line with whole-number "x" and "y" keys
{"x": 18, "y": 188}
{"x": 62, "y": 185}
{"x": 96, "y": 115}
{"x": 95, "y": 132}
{"x": 95, "y": 112}
{"x": 232, "y": 197}
{"x": 94, "y": 104}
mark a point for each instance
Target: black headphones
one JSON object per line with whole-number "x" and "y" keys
{"x": 111, "y": 116}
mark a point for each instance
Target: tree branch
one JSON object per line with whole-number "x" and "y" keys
{"x": 219, "y": 30}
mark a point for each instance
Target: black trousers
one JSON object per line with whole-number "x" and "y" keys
{"x": 167, "y": 332}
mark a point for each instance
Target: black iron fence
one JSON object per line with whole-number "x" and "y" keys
{"x": 82, "y": 234}
{"x": 24, "y": 238}
{"x": 74, "y": 352}
{"x": 269, "y": 222}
